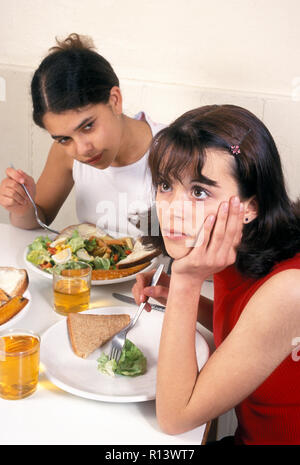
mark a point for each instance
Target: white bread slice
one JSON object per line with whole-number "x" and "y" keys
{"x": 140, "y": 254}
{"x": 86, "y": 230}
{"x": 13, "y": 281}
{"x": 88, "y": 332}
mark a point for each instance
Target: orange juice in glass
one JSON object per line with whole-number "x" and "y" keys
{"x": 71, "y": 287}
{"x": 19, "y": 364}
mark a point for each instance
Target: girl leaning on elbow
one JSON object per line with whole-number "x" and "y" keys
{"x": 224, "y": 159}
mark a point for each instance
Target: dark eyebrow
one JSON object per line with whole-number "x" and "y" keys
{"x": 204, "y": 180}
{"x": 85, "y": 121}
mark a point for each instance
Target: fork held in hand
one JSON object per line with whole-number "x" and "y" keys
{"x": 43, "y": 225}
{"x": 118, "y": 341}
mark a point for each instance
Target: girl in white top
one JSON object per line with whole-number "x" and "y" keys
{"x": 124, "y": 193}
{"x": 77, "y": 99}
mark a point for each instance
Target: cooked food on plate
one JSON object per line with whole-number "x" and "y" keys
{"x": 109, "y": 257}
{"x": 13, "y": 284}
{"x": 88, "y": 332}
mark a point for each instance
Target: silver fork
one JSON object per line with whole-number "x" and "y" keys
{"x": 119, "y": 339}
{"x": 43, "y": 225}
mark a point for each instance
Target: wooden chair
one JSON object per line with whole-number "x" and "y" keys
{"x": 210, "y": 432}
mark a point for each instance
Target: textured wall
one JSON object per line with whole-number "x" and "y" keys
{"x": 170, "y": 56}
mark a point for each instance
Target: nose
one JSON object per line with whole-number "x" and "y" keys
{"x": 83, "y": 147}
{"x": 177, "y": 201}
{"x": 171, "y": 209}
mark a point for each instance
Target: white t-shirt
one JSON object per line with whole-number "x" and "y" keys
{"x": 116, "y": 199}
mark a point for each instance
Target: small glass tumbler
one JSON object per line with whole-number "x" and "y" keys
{"x": 19, "y": 363}
{"x": 71, "y": 287}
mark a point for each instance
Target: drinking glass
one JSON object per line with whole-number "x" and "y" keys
{"x": 71, "y": 287}
{"x": 19, "y": 363}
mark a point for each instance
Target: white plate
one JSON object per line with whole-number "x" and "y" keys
{"x": 99, "y": 282}
{"x": 80, "y": 376}
{"x": 18, "y": 316}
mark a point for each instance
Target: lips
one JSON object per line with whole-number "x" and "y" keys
{"x": 174, "y": 235}
{"x": 94, "y": 159}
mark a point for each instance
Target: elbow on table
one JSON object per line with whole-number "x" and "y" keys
{"x": 169, "y": 428}
{"x": 172, "y": 424}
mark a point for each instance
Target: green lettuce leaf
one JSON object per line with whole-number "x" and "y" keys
{"x": 39, "y": 256}
{"x": 106, "y": 366}
{"x": 132, "y": 362}
{"x": 101, "y": 263}
{"x": 76, "y": 241}
{"x": 39, "y": 243}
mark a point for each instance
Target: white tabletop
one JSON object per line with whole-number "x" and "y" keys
{"x": 52, "y": 416}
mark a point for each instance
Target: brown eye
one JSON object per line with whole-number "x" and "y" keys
{"x": 199, "y": 193}
{"x": 63, "y": 140}
{"x": 164, "y": 187}
{"x": 88, "y": 126}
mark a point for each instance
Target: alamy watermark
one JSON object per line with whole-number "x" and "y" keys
{"x": 179, "y": 218}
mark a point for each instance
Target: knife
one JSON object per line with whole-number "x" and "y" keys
{"x": 130, "y": 300}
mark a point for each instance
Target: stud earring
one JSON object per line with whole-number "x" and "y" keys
{"x": 246, "y": 220}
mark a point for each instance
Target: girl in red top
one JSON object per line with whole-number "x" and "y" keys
{"x": 223, "y": 162}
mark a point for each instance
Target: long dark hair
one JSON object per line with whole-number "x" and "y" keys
{"x": 71, "y": 76}
{"x": 275, "y": 234}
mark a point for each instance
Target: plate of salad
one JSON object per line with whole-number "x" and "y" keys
{"x": 103, "y": 253}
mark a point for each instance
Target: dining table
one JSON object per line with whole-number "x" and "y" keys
{"x": 53, "y": 416}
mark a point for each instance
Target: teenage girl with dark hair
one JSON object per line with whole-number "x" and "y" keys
{"x": 77, "y": 99}
{"x": 225, "y": 158}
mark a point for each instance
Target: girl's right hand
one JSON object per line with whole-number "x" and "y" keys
{"x": 142, "y": 289}
{"x": 12, "y": 195}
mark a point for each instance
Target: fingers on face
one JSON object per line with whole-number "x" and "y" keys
{"x": 228, "y": 228}
{"x": 239, "y": 230}
{"x": 205, "y": 232}
{"x": 220, "y": 226}
{"x": 232, "y": 224}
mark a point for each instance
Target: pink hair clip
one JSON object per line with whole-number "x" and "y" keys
{"x": 235, "y": 149}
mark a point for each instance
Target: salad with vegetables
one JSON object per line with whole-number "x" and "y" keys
{"x": 99, "y": 252}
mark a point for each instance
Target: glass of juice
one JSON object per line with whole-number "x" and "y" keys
{"x": 71, "y": 287}
{"x": 19, "y": 363}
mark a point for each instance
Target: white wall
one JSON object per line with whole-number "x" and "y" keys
{"x": 249, "y": 45}
{"x": 170, "y": 55}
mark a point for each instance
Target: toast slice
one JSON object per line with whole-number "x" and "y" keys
{"x": 13, "y": 281}
{"x": 140, "y": 254}
{"x": 88, "y": 332}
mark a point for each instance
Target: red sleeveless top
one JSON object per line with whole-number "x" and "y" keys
{"x": 271, "y": 414}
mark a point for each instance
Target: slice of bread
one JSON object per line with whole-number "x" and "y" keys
{"x": 86, "y": 230}
{"x": 13, "y": 281}
{"x": 140, "y": 254}
{"x": 88, "y": 332}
